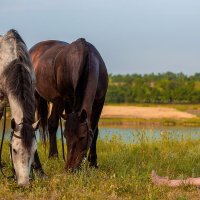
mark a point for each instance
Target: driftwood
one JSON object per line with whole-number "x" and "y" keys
{"x": 165, "y": 181}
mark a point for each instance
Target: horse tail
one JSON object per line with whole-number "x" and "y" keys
{"x": 92, "y": 68}
{"x": 42, "y": 114}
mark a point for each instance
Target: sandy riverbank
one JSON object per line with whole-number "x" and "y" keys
{"x": 144, "y": 112}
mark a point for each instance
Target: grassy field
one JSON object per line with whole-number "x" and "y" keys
{"x": 194, "y": 122}
{"x": 124, "y": 172}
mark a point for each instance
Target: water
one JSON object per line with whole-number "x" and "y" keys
{"x": 136, "y": 134}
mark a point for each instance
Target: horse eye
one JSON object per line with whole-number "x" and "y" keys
{"x": 82, "y": 138}
{"x": 15, "y": 151}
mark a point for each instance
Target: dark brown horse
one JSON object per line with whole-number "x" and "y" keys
{"x": 74, "y": 78}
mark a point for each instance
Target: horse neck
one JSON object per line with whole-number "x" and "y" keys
{"x": 16, "y": 109}
{"x": 8, "y": 53}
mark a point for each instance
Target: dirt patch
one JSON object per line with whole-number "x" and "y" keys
{"x": 144, "y": 112}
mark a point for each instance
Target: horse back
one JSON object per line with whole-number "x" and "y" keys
{"x": 41, "y": 48}
{"x": 43, "y": 55}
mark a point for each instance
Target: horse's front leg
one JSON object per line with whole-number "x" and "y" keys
{"x": 38, "y": 166}
{"x": 53, "y": 121}
{"x": 96, "y": 112}
{"x": 1, "y": 110}
{"x": 2, "y": 104}
{"x": 53, "y": 127}
{"x": 93, "y": 153}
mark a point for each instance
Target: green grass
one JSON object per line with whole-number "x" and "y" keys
{"x": 124, "y": 172}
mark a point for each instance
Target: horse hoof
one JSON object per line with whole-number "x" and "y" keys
{"x": 94, "y": 165}
{"x": 41, "y": 174}
{"x": 44, "y": 176}
{"x": 53, "y": 155}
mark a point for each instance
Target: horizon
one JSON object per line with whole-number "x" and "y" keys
{"x": 156, "y": 73}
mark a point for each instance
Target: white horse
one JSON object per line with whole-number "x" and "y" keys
{"x": 17, "y": 86}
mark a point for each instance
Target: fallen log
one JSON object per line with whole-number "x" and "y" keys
{"x": 165, "y": 181}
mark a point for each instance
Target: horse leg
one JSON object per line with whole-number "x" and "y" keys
{"x": 37, "y": 166}
{"x": 2, "y": 104}
{"x": 96, "y": 112}
{"x": 1, "y": 110}
{"x": 53, "y": 126}
{"x": 92, "y": 158}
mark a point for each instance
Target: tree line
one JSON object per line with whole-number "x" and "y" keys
{"x": 154, "y": 88}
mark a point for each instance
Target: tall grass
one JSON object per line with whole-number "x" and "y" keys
{"x": 124, "y": 171}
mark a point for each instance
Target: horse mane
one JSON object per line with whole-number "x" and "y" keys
{"x": 19, "y": 83}
{"x": 72, "y": 123}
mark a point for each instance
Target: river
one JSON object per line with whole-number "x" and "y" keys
{"x": 137, "y": 134}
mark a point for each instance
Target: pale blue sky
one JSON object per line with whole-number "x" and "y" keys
{"x": 133, "y": 36}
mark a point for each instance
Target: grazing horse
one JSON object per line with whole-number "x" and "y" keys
{"x": 17, "y": 87}
{"x": 74, "y": 78}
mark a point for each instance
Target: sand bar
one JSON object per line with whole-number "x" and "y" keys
{"x": 144, "y": 112}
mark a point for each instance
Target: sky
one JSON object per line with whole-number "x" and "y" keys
{"x": 132, "y": 36}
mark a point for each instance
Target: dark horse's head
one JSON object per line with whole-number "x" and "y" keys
{"x": 78, "y": 134}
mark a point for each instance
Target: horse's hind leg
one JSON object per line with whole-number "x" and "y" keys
{"x": 96, "y": 112}
{"x": 92, "y": 158}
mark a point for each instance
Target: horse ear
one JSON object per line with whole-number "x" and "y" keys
{"x": 14, "y": 125}
{"x": 36, "y": 125}
{"x": 83, "y": 115}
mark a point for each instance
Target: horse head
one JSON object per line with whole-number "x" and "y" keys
{"x": 22, "y": 156}
{"x": 78, "y": 134}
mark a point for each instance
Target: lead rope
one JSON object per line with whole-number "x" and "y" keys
{"x": 62, "y": 139}
{"x": 2, "y": 139}
{"x": 32, "y": 176}
{"x": 11, "y": 157}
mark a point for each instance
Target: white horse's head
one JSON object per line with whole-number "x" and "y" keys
{"x": 21, "y": 156}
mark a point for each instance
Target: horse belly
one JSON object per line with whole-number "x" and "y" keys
{"x": 48, "y": 94}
